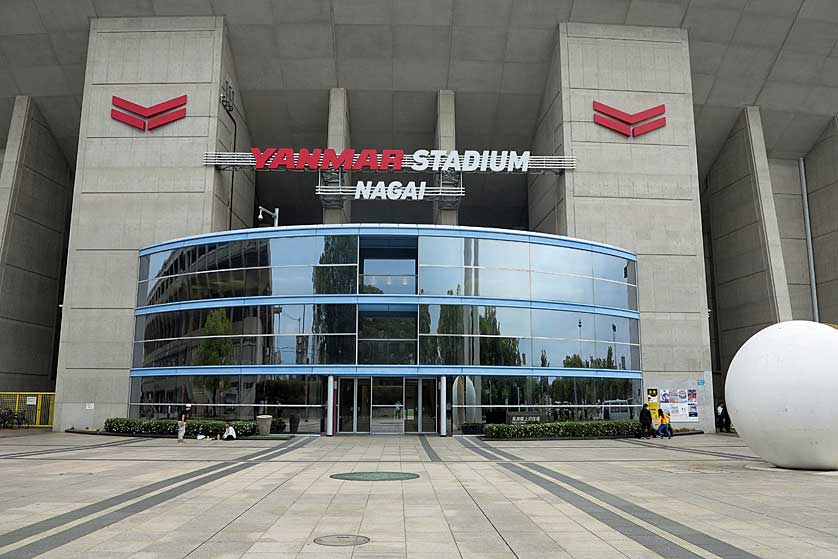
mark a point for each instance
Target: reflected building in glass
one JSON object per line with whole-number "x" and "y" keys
{"x": 382, "y": 329}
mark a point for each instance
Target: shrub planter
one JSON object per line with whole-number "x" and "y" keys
{"x": 168, "y": 427}
{"x": 564, "y": 430}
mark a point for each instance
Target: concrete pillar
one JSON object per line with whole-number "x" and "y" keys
{"x": 330, "y": 406}
{"x": 822, "y": 188}
{"x": 443, "y": 406}
{"x": 446, "y": 211}
{"x": 138, "y": 187}
{"x": 749, "y": 271}
{"x": 36, "y": 185}
{"x": 652, "y": 175}
{"x": 336, "y": 209}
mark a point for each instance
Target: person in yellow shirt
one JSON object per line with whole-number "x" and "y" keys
{"x": 664, "y": 428}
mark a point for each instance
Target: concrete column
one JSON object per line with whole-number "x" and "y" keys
{"x": 788, "y": 205}
{"x": 138, "y": 187}
{"x": 446, "y": 212}
{"x": 750, "y": 275}
{"x": 330, "y": 406}
{"x": 822, "y": 187}
{"x": 443, "y": 406}
{"x": 335, "y": 209}
{"x": 36, "y": 185}
{"x": 548, "y": 194}
{"x": 653, "y": 175}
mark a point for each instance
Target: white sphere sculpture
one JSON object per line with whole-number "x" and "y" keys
{"x": 782, "y": 395}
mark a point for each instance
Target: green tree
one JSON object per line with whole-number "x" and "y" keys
{"x": 327, "y": 278}
{"x": 215, "y": 350}
{"x": 497, "y": 351}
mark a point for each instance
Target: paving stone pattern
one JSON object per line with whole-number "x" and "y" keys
{"x": 72, "y": 496}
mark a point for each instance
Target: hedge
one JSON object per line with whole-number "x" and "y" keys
{"x": 194, "y": 427}
{"x": 564, "y": 429}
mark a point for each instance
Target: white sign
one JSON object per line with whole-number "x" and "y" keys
{"x": 31, "y": 400}
{"x": 396, "y": 190}
{"x": 88, "y": 406}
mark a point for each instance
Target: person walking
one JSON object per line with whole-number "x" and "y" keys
{"x": 181, "y": 428}
{"x": 724, "y": 417}
{"x": 664, "y": 428}
{"x": 645, "y": 422}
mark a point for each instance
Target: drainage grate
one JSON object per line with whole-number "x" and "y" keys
{"x": 341, "y": 540}
{"x": 375, "y": 476}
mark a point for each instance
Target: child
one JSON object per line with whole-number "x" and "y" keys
{"x": 664, "y": 428}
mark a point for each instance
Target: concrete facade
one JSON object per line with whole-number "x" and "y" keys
{"x": 35, "y": 195}
{"x": 136, "y": 187}
{"x": 822, "y": 188}
{"x": 517, "y": 75}
{"x": 653, "y": 176}
{"x": 750, "y": 275}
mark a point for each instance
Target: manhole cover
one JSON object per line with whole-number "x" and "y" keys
{"x": 341, "y": 540}
{"x": 375, "y": 476}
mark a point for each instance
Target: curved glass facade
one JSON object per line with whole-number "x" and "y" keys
{"x": 302, "y": 302}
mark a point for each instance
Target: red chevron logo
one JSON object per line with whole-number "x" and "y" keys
{"x": 148, "y": 112}
{"x": 629, "y": 119}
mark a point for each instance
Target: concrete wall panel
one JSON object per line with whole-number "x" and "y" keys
{"x": 670, "y": 227}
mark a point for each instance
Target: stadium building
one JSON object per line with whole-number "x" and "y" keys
{"x": 409, "y": 215}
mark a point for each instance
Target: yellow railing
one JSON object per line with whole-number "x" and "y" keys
{"x": 38, "y": 406}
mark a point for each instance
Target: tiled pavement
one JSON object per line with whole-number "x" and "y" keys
{"x": 74, "y": 496}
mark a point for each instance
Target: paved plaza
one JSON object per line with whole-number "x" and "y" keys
{"x": 74, "y": 496}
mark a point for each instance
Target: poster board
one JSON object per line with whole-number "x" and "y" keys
{"x": 681, "y": 404}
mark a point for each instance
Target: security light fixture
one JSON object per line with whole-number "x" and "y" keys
{"x": 274, "y": 214}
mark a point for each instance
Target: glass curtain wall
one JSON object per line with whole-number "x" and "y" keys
{"x": 487, "y": 399}
{"x": 297, "y": 402}
{"x": 519, "y": 270}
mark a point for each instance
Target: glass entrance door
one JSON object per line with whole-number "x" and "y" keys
{"x": 354, "y": 399}
{"x": 392, "y": 405}
{"x": 420, "y": 405}
{"x": 387, "y": 405}
{"x": 427, "y": 417}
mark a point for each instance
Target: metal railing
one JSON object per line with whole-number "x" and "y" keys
{"x": 38, "y": 407}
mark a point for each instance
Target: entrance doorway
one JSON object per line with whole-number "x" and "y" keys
{"x": 382, "y": 405}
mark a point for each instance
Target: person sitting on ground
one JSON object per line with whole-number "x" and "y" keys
{"x": 664, "y": 428}
{"x": 645, "y": 422}
{"x": 229, "y": 433}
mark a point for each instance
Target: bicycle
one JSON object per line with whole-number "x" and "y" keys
{"x": 13, "y": 420}
{"x": 7, "y": 419}
{"x": 21, "y": 420}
